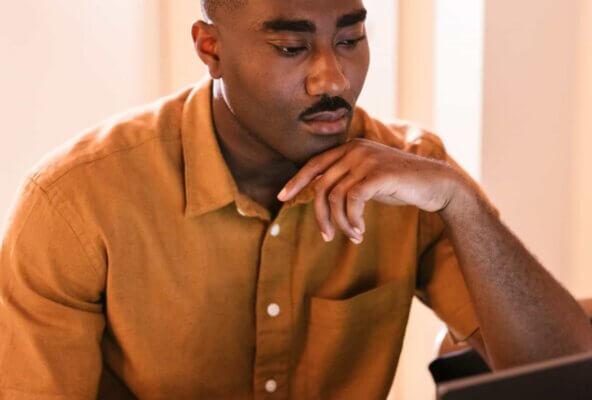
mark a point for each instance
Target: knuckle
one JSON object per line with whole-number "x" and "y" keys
{"x": 334, "y": 197}
{"x": 314, "y": 163}
{"x": 319, "y": 185}
{"x": 370, "y": 162}
{"x": 357, "y": 146}
{"x": 354, "y": 194}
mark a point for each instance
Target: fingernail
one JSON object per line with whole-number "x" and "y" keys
{"x": 282, "y": 194}
{"x": 326, "y": 237}
{"x": 356, "y": 241}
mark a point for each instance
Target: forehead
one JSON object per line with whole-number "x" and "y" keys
{"x": 323, "y": 13}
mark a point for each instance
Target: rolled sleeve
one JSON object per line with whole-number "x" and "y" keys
{"x": 51, "y": 308}
{"x": 441, "y": 286}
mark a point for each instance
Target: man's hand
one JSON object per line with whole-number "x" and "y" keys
{"x": 524, "y": 314}
{"x": 348, "y": 176}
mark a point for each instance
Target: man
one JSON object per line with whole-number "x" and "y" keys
{"x": 175, "y": 252}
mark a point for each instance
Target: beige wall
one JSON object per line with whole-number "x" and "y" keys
{"x": 581, "y": 167}
{"x": 530, "y": 56}
{"x": 380, "y": 89}
{"x": 458, "y": 77}
{"x": 180, "y": 63}
{"x": 65, "y": 65}
{"x": 416, "y": 56}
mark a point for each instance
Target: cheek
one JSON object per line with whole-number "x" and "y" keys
{"x": 358, "y": 72}
{"x": 281, "y": 82}
{"x": 268, "y": 82}
{"x": 276, "y": 95}
{"x": 262, "y": 101}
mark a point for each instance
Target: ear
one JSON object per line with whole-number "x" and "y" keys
{"x": 206, "y": 41}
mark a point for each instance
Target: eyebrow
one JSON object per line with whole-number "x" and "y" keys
{"x": 281, "y": 24}
{"x": 302, "y": 25}
{"x": 352, "y": 19}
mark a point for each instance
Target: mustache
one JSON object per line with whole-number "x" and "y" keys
{"x": 327, "y": 104}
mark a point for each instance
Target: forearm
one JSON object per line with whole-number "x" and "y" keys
{"x": 525, "y": 315}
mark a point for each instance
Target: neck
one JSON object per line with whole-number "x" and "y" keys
{"x": 259, "y": 171}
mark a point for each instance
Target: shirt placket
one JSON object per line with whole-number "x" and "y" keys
{"x": 274, "y": 310}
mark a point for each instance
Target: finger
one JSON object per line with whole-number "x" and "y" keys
{"x": 323, "y": 186}
{"x": 357, "y": 197}
{"x": 315, "y": 166}
{"x": 323, "y": 217}
{"x": 369, "y": 188}
{"x": 337, "y": 201}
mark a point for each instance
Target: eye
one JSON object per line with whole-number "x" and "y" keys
{"x": 351, "y": 43}
{"x": 287, "y": 51}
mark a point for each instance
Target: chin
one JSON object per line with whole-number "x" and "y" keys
{"x": 317, "y": 145}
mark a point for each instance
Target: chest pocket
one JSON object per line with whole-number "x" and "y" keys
{"x": 352, "y": 344}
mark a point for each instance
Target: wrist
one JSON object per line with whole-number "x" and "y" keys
{"x": 463, "y": 201}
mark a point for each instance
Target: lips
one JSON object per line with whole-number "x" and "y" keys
{"x": 327, "y": 115}
{"x": 327, "y": 122}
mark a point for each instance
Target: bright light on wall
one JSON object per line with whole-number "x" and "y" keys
{"x": 380, "y": 91}
{"x": 458, "y": 95}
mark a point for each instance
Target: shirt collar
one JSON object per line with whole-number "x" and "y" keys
{"x": 209, "y": 184}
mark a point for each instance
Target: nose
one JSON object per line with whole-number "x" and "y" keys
{"x": 326, "y": 77}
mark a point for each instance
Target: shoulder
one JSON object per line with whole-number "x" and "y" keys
{"x": 159, "y": 121}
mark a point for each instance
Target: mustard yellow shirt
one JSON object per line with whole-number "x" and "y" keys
{"x": 133, "y": 268}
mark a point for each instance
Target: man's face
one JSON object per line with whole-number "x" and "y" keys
{"x": 293, "y": 70}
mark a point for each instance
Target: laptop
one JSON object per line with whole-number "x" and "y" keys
{"x": 566, "y": 378}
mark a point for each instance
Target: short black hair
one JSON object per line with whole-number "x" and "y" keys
{"x": 210, "y": 7}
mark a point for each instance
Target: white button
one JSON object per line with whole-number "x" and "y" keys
{"x": 275, "y": 230}
{"x": 271, "y": 385}
{"x": 273, "y": 310}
